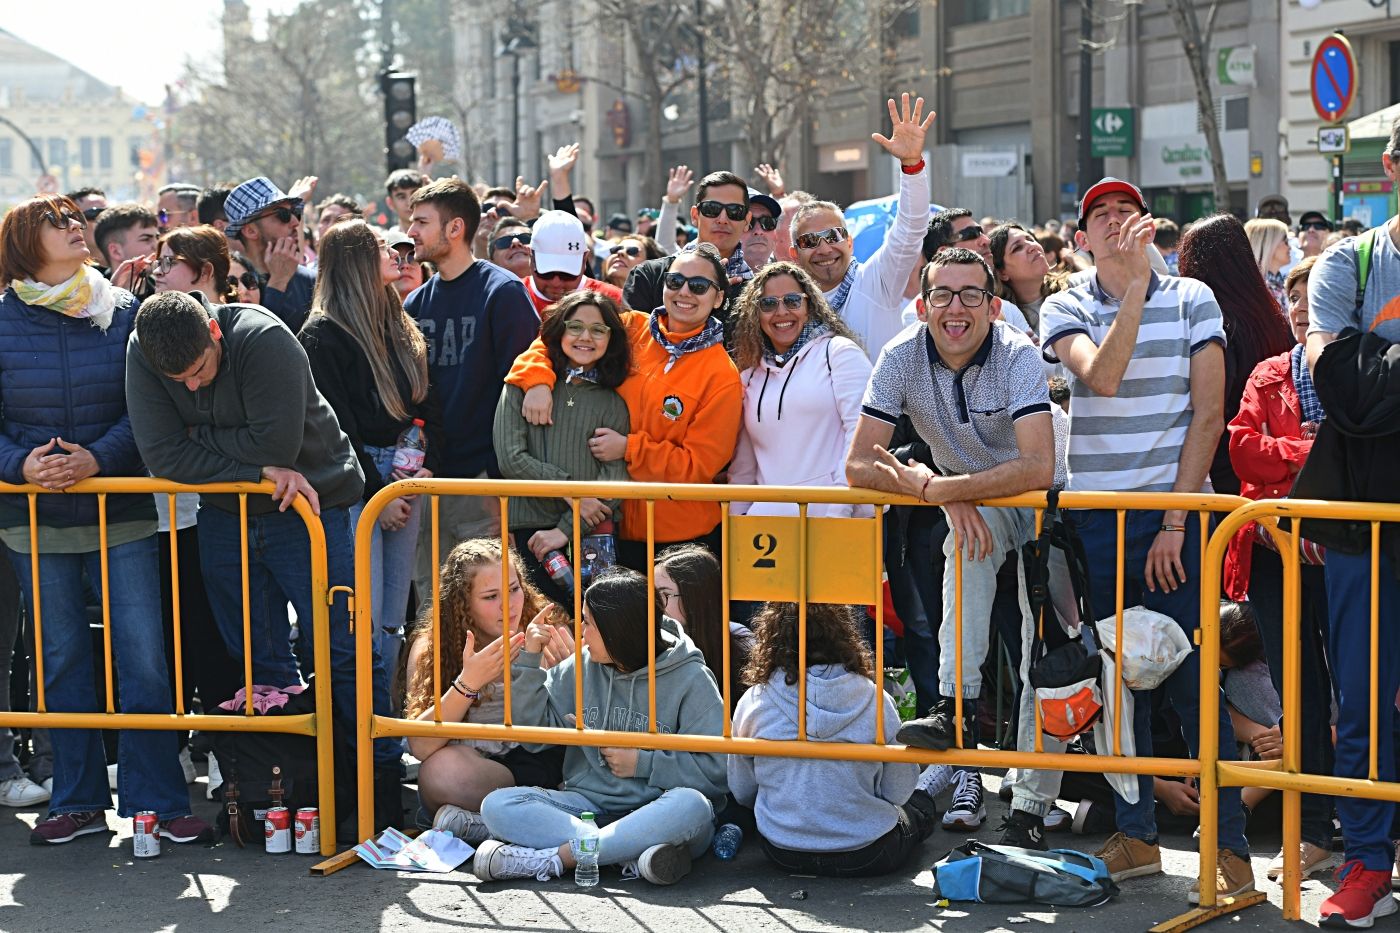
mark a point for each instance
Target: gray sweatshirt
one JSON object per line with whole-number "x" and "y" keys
{"x": 262, "y": 409}
{"x": 809, "y": 805}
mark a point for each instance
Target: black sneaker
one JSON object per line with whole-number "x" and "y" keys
{"x": 1022, "y": 830}
{"x": 938, "y": 731}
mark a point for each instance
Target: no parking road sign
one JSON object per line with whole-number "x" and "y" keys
{"x": 1333, "y": 78}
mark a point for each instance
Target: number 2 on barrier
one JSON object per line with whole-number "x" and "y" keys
{"x": 763, "y": 558}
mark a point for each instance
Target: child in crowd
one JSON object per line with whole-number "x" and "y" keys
{"x": 655, "y": 809}
{"x": 883, "y": 813}
{"x": 456, "y": 774}
{"x": 688, "y": 583}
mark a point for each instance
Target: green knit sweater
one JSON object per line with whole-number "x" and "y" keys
{"x": 557, "y": 452}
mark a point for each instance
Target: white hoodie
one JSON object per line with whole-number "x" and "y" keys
{"x": 799, "y": 420}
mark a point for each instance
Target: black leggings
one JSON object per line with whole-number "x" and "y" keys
{"x": 887, "y": 854}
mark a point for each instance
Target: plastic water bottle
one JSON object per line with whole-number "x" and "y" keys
{"x": 727, "y": 840}
{"x": 586, "y": 871}
{"x": 411, "y": 449}
{"x": 559, "y": 569}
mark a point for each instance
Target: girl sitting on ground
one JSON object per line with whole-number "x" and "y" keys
{"x": 456, "y": 774}
{"x": 885, "y": 815}
{"x": 688, "y": 582}
{"x": 655, "y": 809}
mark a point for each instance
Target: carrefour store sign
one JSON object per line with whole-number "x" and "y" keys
{"x": 1178, "y": 161}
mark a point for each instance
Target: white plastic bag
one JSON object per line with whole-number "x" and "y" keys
{"x": 1153, "y": 646}
{"x": 1125, "y": 784}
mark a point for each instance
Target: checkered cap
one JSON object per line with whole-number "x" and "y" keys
{"x": 250, "y": 198}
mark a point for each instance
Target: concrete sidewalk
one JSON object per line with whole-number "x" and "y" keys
{"x": 94, "y": 884}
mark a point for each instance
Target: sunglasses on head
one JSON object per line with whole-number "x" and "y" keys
{"x": 792, "y": 300}
{"x": 632, "y": 250}
{"x": 247, "y": 280}
{"x": 698, "y": 284}
{"x": 577, "y": 328}
{"x": 968, "y": 233}
{"x": 712, "y": 209}
{"x": 832, "y": 235}
{"x": 766, "y": 223}
{"x": 558, "y": 276}
{"x": 504, "y": 241}
{"x": 64, "y": 219}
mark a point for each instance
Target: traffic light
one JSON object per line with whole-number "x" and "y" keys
{"x": 400, "y": 113}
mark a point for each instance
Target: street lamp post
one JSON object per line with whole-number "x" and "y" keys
{"x": 702, "y": 89}
{"x": 513, "y": 44}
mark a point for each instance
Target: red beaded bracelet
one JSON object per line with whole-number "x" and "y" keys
{"x": 914, "y": 169}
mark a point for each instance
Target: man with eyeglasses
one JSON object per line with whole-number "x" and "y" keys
{"x": 559, "y": 250}
{"x": 974, "y": 390}
{"x": 955, "y": 228}
{"x": 266, "y": 221}
{"x": 868, "y": 295}
{"x": 177, "y": 206}
{"x": 92, "y": 202}
{"x": 496, "y": 205}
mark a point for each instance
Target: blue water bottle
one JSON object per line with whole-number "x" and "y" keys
{"x": 727, "y": 841}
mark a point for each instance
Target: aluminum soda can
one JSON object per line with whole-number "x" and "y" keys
{"x": 145, "y": 834}
{"x": 308, "y": 831}
{"x": 278, "y": 830}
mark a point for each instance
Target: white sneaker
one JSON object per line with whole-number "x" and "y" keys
{"x": 935, "y": 779}
{"x": 497, "y": 861}
{"x": 187, "y": 765}
{"x": 466, "y": 825}
{"x": 112, "y": 776}
{"x": 47, "y": 784}
{"x": 1057, "y": 820}
{"x": 216, "y": 777}
{"x": 21, "y": 792}
{"x": 966, "y": 811}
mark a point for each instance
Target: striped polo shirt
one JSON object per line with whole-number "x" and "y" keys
{"x": 1132, "y": 442}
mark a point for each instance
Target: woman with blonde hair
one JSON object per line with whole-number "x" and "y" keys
{"x": 371, "y": 364}
{"x": 803, "y": 373}
{"x": 1268, "y": 239}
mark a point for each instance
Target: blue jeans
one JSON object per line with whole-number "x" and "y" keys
{"x": 1365, "y": 823}
{"x": 1098, "y": 529}
{"x": 546, "y": 819}
{"x": 392, "y": 555}
{"x": 914, "y": 562}
{"x": 279, "y": 572}
{"x": 148, "y": 774}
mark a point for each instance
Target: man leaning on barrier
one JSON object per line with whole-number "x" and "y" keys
{"x": 975, "y": 390}
{"x": 222, "y": 394}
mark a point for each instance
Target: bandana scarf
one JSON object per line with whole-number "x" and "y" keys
{"x": 837, "y": 299}
{"x": 711, "y": 334}
{"x": 86, "y": 295}
{"x": 736, "y": 267}
{"x": 1303, "y": 385}
{"x": 810, "y": 331}
{"x": 579, "y": 374}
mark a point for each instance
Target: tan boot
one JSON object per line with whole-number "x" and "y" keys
{"x": 1126, "y": 857}
{"x": 1311, "y": 860}
{"x": 1233, "y": 875}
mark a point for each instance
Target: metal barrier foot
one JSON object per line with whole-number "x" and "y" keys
{"x": 1199, "y": 915}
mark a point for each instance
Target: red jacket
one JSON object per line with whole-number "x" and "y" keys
{"x": 1266, "y": 449}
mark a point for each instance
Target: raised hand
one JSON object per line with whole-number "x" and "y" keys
{"x": 678, "y": 183}
{"x": 527, "y": 199}
{"x": 906, "y": 139}
{"x": 772, "y": 178}
{"x": 304, "y": 188}
{"x": 564, "y": 159}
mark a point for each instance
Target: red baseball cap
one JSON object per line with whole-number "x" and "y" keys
{"x": 1109, "y": 186}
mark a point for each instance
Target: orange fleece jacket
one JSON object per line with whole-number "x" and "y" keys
{"x": 685, "y": 423}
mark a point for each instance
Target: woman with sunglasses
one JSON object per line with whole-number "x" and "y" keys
{"x": 243, "y": 281}
{"x": 683, "y": 397}
{"x": 587, "y": 345}
{"x": 194, "y": 259}
{"x": 804, "y": 375}
{"x": 627, "y": 254}
{"x": 63, "y": 337}
{"x": 371, "y": 363}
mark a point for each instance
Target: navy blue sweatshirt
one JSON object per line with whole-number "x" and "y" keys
{"x": 475, "y": 325}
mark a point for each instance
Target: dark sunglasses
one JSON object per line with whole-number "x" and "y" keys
{"x": 713, "y": 209}
{"x": 504, "y": 242}
{"x": 283, "y": 214}
{"x": 499, "y": 209}
{"x": 558, "y": 276}
{"x": 832, "y": 235}
{"x": 634, "y": 251}
{"x": 64, "y": 219}
{"x": 92, "y": 213}
{"x": 792, "y": 300}
{"x": 698, "y": 284}
{"x": 247, "y": 280}
{"x": 1315, "y": 225}
{"x": 968, "y": 233}
{"x": 766, "y": 223}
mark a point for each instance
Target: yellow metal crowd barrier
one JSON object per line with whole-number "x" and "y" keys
{"x": 316, "y": 724}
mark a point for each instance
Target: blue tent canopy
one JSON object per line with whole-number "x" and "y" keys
{"x": 869, "y": 221}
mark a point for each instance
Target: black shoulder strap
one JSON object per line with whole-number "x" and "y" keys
{"x": 1037, "y": 570}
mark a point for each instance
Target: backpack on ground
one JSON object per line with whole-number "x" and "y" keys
{"x": 991, "y": 874}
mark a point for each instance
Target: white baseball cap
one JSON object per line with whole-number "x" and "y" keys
{"x": 559, "y": 243}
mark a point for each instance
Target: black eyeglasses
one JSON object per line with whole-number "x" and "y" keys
{"x": 832, "y": 235}
{"x": 698, "y": 284}
{"x": 92, "y": 213}
{"x": 968, "y": 233}
{"x": 558, "y": 276}
{"x": 970, "y": 297}
{"x": 164, "y": 264}
{"x": 792, "y": 300}
{"x": 713, "y": 209}
{"x": 633, "y": 250}
{"x": 247, "y": 280}
{"x": 504, "y": 242}
{"x": 64, "y": 219}
{"x": 764, "y": 222}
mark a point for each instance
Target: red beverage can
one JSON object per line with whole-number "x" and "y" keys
{"x": 145, "y": 834}
{"x": 308, "y": 831}
{"x": 278, "y": 830}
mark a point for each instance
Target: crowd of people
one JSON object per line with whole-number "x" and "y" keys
{"x": 246, "y": 333}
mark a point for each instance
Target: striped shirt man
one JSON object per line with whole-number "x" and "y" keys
{"x": 1132, "y": 441}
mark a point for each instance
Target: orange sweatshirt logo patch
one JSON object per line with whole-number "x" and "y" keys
{"x": 672, "y": 407}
